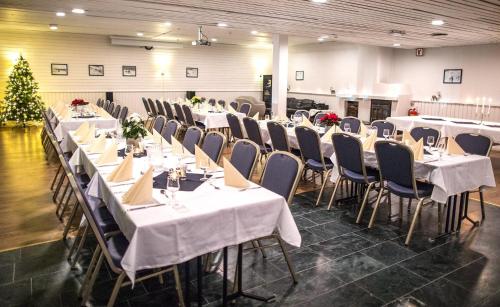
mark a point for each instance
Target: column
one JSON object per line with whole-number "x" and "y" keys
{"x": 280, "y": 74}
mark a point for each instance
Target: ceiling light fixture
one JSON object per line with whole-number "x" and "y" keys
{"x": 222, "y": 24}
{"x": 78, "y": 11}
{"x": 213, "y": 39}
{"x": 254, "y": 32}
{"x": 140, "y": 34}
{"x": 397, "y": 33}
{"x": 437, "y": 22}
{"x": 53, "y": 27}
{"x": 319, "y": 1}
{"x": 168, "y": 24}
{"x": 60, "y": 14}
{"x": 321, "y": 39}
{"x": 396, "y": 45}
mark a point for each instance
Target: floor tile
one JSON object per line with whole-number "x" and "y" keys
{"x": 17, "y": 293}
{"x": 6, "y": 273}
{"x": 355, "y": 266}
{"x": 349, "y": 295}
{"x": 389, "y": 253}
{"x": 303, "y": 223}
{"x": 29, "y": 267}
{"x": 301, "y": 260}
{"x": 443, "y": 293}
{"x": 330, "y": 230}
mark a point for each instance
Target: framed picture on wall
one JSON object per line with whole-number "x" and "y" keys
{"x": 299, "y": 75}
{"x": 59, "y": 69}
{"x": 452, "y": 76}
{"x": 96, "y": 70}
{"x": 129, "y": 71}
{"x": 191, "y": 72}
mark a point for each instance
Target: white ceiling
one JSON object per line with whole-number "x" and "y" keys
{"x": 364, "y": 21}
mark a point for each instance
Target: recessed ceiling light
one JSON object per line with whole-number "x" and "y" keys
{"x": 396, "y": 45}
{"x": 319, "y": 1}
{"x": 168, "y": 24}
{"x": 53, "y": 27}
{"x": 213, "y": 39}
{"x": 222, "y": 24}
{"x": 78, "y": 11}
{"x": 140, "y": 34}
{"x": 321, "y": 39}
{"x": 254, "y": 32}
{"x": 437, "y": 22}
{"x": 193, "y": 43}
{"x": 60, "y": 14}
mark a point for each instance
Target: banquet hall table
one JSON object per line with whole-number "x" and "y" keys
{"x": 64, "y": 125}
{"x": 213, "y": 120}
{"x": 449, "y": 127}
{"x": 207, "y": 220}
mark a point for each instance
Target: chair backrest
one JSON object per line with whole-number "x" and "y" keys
{"x": 159, "y": 122}
{"x": 106, "y": 105}
{"x": 253, "y": 130}
{"x": 213, "y": 145}
{"x": 168, "y": 110}
{"x": 193, "y": 136}
{"x": 395, "y": 162}
{"x": 179, "y": 113}
{"x": 116, "y": 111}
{"x": 234, "y": 105}
{"x": 100, "y": 103}
{"x": 281, "y": 174}
{"x": 123, "y": 113}
{"x": 304, "y": 113}
{"x": 188, "y": 115}
{"x": 381, "y": 125}
{"x": 154, "y": 112}
{"x": 354, "y": 123}
{"x": 111, "y": 107}
{"x": 278, "y": 135}
{"x": 475, "y": 144}
{"x": 423, "y": 132}
{"x": 318, "y": 116}
{"x": 222, "y": 103}
{"x": 235, "y": 126}
{"x": 244, "y": 157}
{"x": 146, "y": 106}
{"x": 211, "y": 101}
{"x": 349, "y": 153}
{"x": 159, "y": 108}
{"x": 170, "y": 130}
{"x": 245, "y": 108}
{"x": 309, "y": 144}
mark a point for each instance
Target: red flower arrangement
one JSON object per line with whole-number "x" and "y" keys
{"x": 78, "y": 102}
{"x": 330, "y": 119}
{"x": 412, "y": 112}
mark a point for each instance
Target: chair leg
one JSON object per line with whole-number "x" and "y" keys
{"x": 440, "y": 218}
{"x": 81, "y": 232}
{"x": 481, "y": 200}
{"x": 116, "y": 289}
{"x": 414, "y": 221}
{"x": 324, "y": 177}
{"x": 97, "y": 255}
{"x": 332, "y": 198}
{"x": 55, "y": 177}
{"x": 67, "y": 227}
{"x": 65, "y": 206}
{"x": 377, "y": 204}
{"x": 178, "y": 286}
{"x": 287, "y": 259}
{"x": 80, "y": 245}
{"x": 363, "y": 204}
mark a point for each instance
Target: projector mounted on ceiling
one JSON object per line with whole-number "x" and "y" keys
{"x": 202, "y": 39}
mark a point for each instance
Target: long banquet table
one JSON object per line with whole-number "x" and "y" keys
{"x": 213, "y": 120}
{"x": 209, "y": 219}
{"x": 448, "y": 126}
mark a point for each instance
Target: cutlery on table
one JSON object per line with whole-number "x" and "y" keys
{"x": 145, "y": 207}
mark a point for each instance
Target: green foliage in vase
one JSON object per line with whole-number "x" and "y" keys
{"x": 133, "y": 127}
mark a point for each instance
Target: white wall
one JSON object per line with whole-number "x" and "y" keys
{"x": 481, "y": 72}
{"x": 225, "y": 72}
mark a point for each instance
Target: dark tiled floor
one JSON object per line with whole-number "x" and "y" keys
{"x": 339, "y": 264}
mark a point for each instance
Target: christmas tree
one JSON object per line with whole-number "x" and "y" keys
{"x": 22, "y": 102}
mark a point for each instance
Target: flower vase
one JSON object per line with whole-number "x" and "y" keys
{"x": 137, "y": 143}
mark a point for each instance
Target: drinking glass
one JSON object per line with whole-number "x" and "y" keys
{"x": 173, "y": 185}
{"x": 347, "y": 130}
{"x": 430, "y": 141}
{"x": 441, "y": 149}
{"x": 204, "y": 167}
{"x": 266, "y": 117}
{"x": 129, "y": 149}
{"x": 347, "y": 127}
{"x": 386, "y": 133}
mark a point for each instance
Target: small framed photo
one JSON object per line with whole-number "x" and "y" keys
{"x": 299, "y": 75}
{"x": 452, "y": 76}
{"x": 129, "y": 71}
{"x": 419, "y": 52}
{"x": 96, "y": 70}
{"x": 59, "y": 69}
{"x": 191, "y": 72}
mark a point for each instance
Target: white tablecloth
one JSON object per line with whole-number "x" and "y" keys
{"x": 449, "y": 127}
{"x": 450, "y": 176}
{"x": 211, "y": 219}
{"x": 66, "y": 125}
{"x": 213, "y": 120}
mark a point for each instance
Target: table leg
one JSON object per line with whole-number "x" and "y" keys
{"x": 199, "y": 273}
{"x": 224, "y": 277}
{"x": 448, "y": 208}
{"x": 453, "y": 213}
{"x": 461, "y": 211}
{"x": 187, "y": 290}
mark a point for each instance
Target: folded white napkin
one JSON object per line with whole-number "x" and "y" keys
{"x": 141, "y": 192}
{"x": 124, "y": 171}
{"x": 232, "y": 177}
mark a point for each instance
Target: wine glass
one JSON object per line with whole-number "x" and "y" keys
{"x": 204, "y": 166}
{"x": 173, "y": 185}
{"x": 347, "y": 127}
{"x": 386, "y": 133}
{"x": 441, "y": 149}
{"x": 430, "y": 141}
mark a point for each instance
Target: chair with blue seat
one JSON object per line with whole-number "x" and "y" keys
{"x": 123, "y": 114}
{"x": 354, "y": 124}
{"x": 381, "y": 125}
{"x": 188, "y": 116}
{"x": 318, "y": 116}
{"x": 179, "y": 114}
{"x": 147, "y": 108}
{"x": 301, "y": 113}
{"x": 396, "y": 166}
{"x": 475, "y": 144}
{"x": 234, "y": 105}
{"x": 351, "y": 166}
{"x": 213, "y": 145}
{"x": 171, "y": 129}
{"x": 106, "y": 105}
{"x": 255, "y": 134}
{"x": 152, "y": 107}
{"x": 235, "y": 126}
{"x": 312, "y": 155}
{"x": 211, "y": 102}
{"x": 159, "y": 122}
{"x": 423, "y": 133}
{"x": 168, "y": 110}
{"x": 279, "y": 138}
{"x": 193, "y": 136}
{"x": 160, "y": 109}
{"x": 245, "y": 108}
{"x": 112, "y": 249}
{"x": 99, "y": 102}
{"x": 116, "y": 111}
{"x": 222, "y": 103}
{"x": 111, "y": 107}
{"x": 244, "y": 157}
